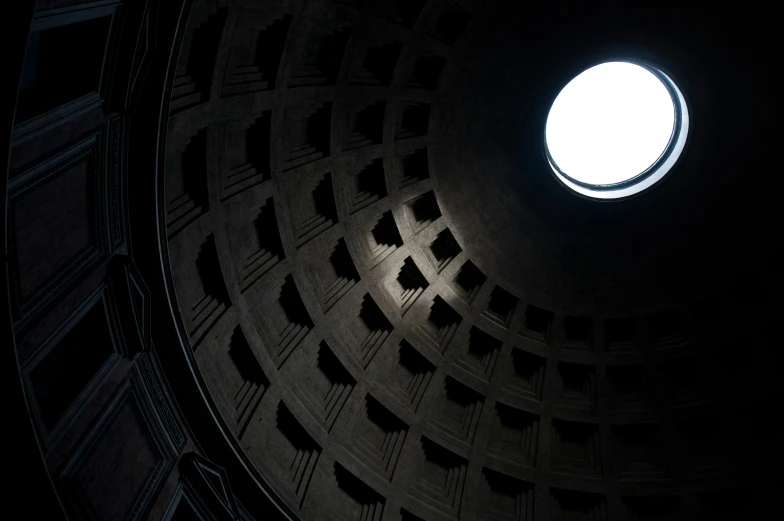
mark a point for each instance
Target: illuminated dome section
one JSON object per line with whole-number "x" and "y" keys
{"x": 615, "y": 130}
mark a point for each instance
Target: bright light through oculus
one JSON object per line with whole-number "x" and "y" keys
{"x": 610, "y": 124}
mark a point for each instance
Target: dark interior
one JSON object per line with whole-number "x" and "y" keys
{"x": 306, "y": 260}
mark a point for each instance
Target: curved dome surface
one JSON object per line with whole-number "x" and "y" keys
{"x": 387, "y": 324}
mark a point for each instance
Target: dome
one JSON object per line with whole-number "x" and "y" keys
{"x": 342, "y": 260}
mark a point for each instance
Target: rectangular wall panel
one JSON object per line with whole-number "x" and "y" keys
{"x": 120, "y": 465}
{"x": 56, "y": 226}
{"x": 64, "y": 65}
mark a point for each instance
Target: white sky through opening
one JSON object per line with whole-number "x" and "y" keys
{"x": 610, "y": 123}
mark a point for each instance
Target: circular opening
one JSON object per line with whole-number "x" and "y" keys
{"x": 615, "y": 130}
